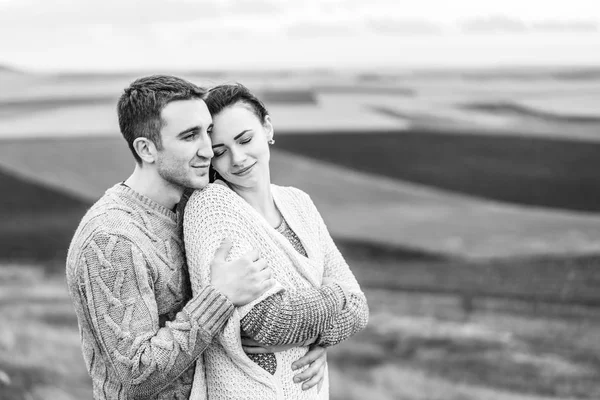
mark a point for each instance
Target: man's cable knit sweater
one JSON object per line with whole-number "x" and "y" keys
{"x": 141, "y": 330}
{"x": 227, "y": 372}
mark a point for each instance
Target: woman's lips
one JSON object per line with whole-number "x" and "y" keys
{"x": 243, "y": 171}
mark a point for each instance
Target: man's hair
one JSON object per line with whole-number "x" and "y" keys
{"x": 223, "y": 96}
{"x": 140, "y": 106}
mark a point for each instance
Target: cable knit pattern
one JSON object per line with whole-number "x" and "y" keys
{"x": 216, "y": 213}
{"x": 141, "y": 331}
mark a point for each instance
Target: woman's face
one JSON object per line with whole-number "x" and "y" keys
{"x": 241, "y": 151}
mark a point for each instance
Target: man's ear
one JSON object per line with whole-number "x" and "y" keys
{"x": 146, "y": 149}
{"x": 269, "y": 128}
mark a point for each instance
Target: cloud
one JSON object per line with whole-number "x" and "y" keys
{"x": 116, "y": 12}
{"x": 493, "y": 23}
{"x": 403, "y": 26}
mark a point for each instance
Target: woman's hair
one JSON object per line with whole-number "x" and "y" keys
{"x": 222, "y": 96}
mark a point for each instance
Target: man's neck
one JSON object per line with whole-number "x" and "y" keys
{"x": 147, "y": 182}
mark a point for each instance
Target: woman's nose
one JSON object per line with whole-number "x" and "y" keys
{"x": 237, "y": 157}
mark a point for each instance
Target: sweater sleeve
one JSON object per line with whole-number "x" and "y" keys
{"x": 116, "y": 288}
{"x": 355, "y": 314}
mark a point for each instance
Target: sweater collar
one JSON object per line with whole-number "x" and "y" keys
{"x": 123, "y": 190}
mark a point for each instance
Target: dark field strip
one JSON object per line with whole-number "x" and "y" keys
{"x": 565, "y": 279}
{"x": 37, "y": 222}
{"x": 574, "y": 281}
{"x": 517, "y": 169}
{"x": 517, "y": 109}
{"x": 12, "y": 108}
{"x": 288, "y": 97}
{"x": 366, "y": 89}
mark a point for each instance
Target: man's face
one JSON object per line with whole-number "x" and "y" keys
{"x": 186, "y": 146}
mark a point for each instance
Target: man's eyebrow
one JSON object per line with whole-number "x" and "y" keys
{"x": 188, "y": 130}
{"x": 235, "y": 138}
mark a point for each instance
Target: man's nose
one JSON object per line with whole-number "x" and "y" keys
{"x": 205, "y": 150}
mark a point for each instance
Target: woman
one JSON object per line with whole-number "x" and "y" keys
{"x": 317, "y": 299}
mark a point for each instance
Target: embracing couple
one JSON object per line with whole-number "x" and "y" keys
{"x": 186, "y": 289}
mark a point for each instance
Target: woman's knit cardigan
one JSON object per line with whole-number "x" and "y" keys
{"x": 216, "y": 213}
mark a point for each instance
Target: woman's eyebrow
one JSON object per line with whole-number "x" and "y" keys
{"x": 235, "y": 138}
{"x": 239, "y": 135}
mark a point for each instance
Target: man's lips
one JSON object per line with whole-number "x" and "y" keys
{"x": 201, "y": 166}
{"x": 243, "y": 170}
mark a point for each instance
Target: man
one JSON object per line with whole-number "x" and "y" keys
{"x": 141, "y": 329}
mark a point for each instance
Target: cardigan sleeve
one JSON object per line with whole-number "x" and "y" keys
{"x": 117, "y": 298}
{"x": 355, "y": 314}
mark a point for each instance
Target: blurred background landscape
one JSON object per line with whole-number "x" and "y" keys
{"x": 452, "y": 150}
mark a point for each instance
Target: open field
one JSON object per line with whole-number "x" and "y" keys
{"x": 416, "y": 347}
{"x": 465, "y": 202}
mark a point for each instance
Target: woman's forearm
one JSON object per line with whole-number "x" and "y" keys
{"x": 293, "y": 317}
{"x": 353, "y": 318}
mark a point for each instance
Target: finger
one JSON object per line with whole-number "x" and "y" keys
{"x": 266, "y": 285}
{"x": 310, "y": 341}
{"x": 252, "y": 255}
{"x": 256, "y": 349}
{"x": 320, "y": 385}
{"x": 264, "y": 275}
{"x": 312, "y": 370}
{"x": 317, "y": 379}
{"x": 316, "y": 375}
{"x": 260, "y": 264}
{"x": 223, "y": 250}
{"x": 309, "y": 357}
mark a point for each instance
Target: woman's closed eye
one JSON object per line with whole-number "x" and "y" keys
{"x": 245, "y": 140}
{"x": 217, "y": 154}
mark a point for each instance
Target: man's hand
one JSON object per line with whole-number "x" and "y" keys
{"x": 242, "y": 280}
{"x": 315, "y": 373}
{"x": 251, "y": 346}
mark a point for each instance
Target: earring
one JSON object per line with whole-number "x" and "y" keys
{"x": 271, "y": 141}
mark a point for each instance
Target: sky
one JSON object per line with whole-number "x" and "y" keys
{"x": 257, "y": 34}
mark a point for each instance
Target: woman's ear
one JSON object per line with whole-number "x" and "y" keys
{"x": 269, "y": 128}
{"x": 146, "y": 149}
